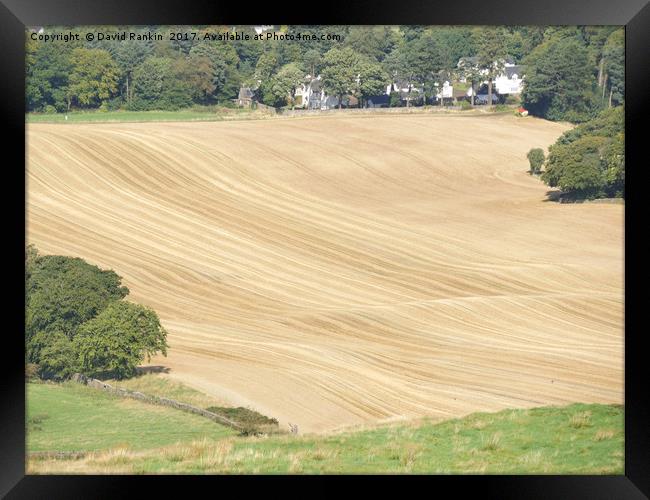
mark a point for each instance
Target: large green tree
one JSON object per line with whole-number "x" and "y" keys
{"x": 340, "y": 71}
{"x": 372, "y": 79}
{"x": 48, "y": 68}
{"x": 63, "y": 292}
{"x": 491, "y": 53}
{"x": 94, "y": 77}
{"x": 589, "y": 160}
{"x": 119, "y": 339}
{"x": 76, "y": 320}
{"x": 163, "y": 83}
{"x": 614, "y": 66}
{"x": 559, "y": 80}
{"x": 284, "y": 83}
{"x": 128, "y": 54}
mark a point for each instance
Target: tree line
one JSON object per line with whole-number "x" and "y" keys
{"x": 572, "y": 73}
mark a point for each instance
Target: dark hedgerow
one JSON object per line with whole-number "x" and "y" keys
{"x": 251, "y": 421}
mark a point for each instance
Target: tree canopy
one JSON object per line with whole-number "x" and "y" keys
{"x": 73, "y": 307}
{"x": 118, "y": 339}
{"x": 589, "y": 161}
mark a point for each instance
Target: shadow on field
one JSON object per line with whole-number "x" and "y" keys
{"x": 143, "y": 370}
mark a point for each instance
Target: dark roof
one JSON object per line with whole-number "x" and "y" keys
{"x": 379, "y": 99}
{"x": 316, "y": 85}
{"x": 512, "y": 70}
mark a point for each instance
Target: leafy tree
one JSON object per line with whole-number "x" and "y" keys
{"x": 266, "y": 66}
{"x": 119, "y": 339}
{"x": 372, "y": 79}
{"x": 614, "y": 157}
{"x": 614, "y": 66}
{"x": 222, "y": 72}
{"x": 163, "y": 83}
{"x": 47, "y": 76}
{"x": 536, "y": 159}
{"x": 128, "y": 54}
{"x": 94, "y": 77}
{"x": 415, "y": 63}
{"x": 610, "y": 125}
{"x": 472, "y": 73}
{"x": 559, "y": 80}
{"x": 311, "y": 61}
{"x": 149, "y": 81}
{"x": 340, "y": 71}
{"x": 63, "y": 292}
{"x": 203, "y": 75}
{"x": 374, "y": 42}
{"x": 454, "y": 42}
{"x": 577, "y": 168}
{"x": 284, "y": 83}
{"x": 491, "y": 53}
{"x": 411, "y": 32}
{"x": 56, "y": 354}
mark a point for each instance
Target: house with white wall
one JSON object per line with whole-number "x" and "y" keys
{"x": 509, "y": 81}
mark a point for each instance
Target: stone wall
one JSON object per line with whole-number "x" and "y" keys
{"x": 98, "y": 384}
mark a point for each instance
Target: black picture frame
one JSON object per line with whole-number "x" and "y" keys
{"x": 15, "y": 15}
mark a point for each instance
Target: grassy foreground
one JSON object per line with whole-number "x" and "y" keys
{"x": 135, "y": 437}
{"x": 72, "y": 417}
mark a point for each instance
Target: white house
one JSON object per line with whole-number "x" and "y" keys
{"x": 510, "y": 81}
{"x": 447, "y": 91}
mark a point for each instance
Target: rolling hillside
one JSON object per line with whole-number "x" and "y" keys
{"x": 345, "y": 270}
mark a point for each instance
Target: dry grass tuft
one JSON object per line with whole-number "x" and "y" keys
{"x": 604, "y": 434}
{"x": 580, "y": 420}
{"x": 493, "y": 443}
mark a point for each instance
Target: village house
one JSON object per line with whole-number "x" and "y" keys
{"x": 508, "y": 82}
{"x": 245, "y": 98}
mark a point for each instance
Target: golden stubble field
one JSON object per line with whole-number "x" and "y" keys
{"x": 345, "y": 270}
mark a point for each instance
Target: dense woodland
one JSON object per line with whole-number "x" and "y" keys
{"x": 571, "y": 72}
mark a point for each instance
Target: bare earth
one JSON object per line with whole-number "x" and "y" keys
{"x": 347, "y": 270}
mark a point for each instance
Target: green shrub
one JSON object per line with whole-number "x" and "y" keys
{"x": 251, "y": 422}
{"x": 512, "y": 99}
{"x": 465, "y": 105}
{"x": 536, "y": 159}
{"x": 500, "y": 107}
{"x": 49, "y": 109}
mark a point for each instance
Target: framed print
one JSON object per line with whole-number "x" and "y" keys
{"x": 388, "y": 245}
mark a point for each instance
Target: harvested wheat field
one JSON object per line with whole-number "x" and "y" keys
{"x": 345, "y": 270}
